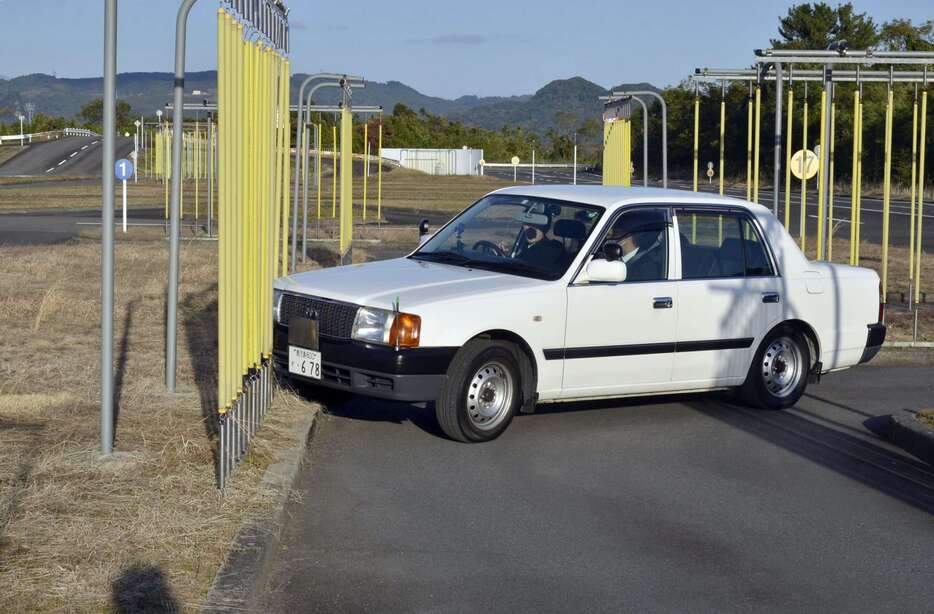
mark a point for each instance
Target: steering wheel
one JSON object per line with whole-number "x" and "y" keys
{"x": 488, "y": 247}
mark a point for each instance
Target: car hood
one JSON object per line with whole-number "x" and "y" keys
{"x": 414, "y": 282}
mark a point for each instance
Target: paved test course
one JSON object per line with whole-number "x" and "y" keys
{"x": 670, "y": 504}
{"x": 65, "y": 156}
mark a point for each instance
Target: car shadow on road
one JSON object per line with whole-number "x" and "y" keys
{"x": 858, "y": 459}
{"x": 356, "y": 407}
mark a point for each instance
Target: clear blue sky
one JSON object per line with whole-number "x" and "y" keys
{"x": 445, "y": 49}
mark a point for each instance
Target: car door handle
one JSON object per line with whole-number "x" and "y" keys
{"x": 662, "y": 302}
{"x": 771, "y": 297}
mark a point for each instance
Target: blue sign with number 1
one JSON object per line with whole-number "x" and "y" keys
{"x": 123, "y": 169}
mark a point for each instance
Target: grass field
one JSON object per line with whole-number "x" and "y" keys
{"x": 81, "y": 534}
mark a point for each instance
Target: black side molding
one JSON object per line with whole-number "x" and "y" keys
{"x": 641, "y": 349}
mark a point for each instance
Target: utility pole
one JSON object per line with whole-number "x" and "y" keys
{"x": 107, "y": 226}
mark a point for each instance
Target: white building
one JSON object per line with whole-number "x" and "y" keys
{"x": 437, "y": 161}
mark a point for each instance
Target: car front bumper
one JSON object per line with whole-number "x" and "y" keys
{"x": 406, "y": 374}
{"x": 874, "y": 340}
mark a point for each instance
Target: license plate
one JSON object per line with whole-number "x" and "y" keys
{"x": 305, "y": 362}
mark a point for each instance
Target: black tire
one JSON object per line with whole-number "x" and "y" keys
{"x": 770, "y": 383}
{"x": 457, "y": 415}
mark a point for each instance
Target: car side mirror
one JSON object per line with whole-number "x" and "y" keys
{"x": 613, "y": 271}
{"x": 423, "y": 232}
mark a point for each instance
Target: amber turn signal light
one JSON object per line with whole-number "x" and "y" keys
{"x": 406, "y": 330}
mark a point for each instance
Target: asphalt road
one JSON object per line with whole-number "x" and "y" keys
{"x": 49, "y": 226}
{"x": 871, "y": 207}
{"x": 71, "y": 156}
{"x": 671, "y": 504}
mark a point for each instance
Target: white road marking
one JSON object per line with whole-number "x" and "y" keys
{"x": 50, "y": 170}
{"x": 73, "y": 155}
{"x": 62, "y": 162}
{"x": 85, "y": 147}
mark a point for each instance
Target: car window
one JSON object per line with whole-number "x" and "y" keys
{"x": 517, "y": 234}
{"x": 757, "y": 259}
{"x": 642, "y": 237}
{"x": 711, "y": 244}
{"x": 720, "y": 244}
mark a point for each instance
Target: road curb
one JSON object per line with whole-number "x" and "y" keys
{"x": 238, "y": 584}
{"x": 904, "y": 430}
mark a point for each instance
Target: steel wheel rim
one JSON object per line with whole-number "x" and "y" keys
{"x": 489, "y": 396}
{"x": 782, "y": 367}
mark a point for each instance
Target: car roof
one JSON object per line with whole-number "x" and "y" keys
{"x": 612, "y": 197}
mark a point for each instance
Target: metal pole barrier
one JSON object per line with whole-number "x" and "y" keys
{"x": 575, "y": 158}
{"x": 533, "y": 167}
{"x": 177, "y": 121}
{"x": 822, "y": 172}
{"x": 788, "y": 149}
{"x": 777, "y": 166}
{"x": 830, "y": 156}
{"x": 886, "y": 194}
{"x": 379, "y": 173}
{"x": 914, "y": 177}
{"x": 722, "y": 132}
{"x": 305, "y": 154}
{"x": 334, "y": 171}
{"x": 802, "y": 222}
{"x": 366, "y": 160}
{"x": 696, "y": 131}
{"x": 749, "y": 121}
{"x": 318, "y": 169}
{"x": 859, "y": 180}
{"x": 854, "y": 183}
{"x": 107, "y": 226}
{"x": 918, "y": 227}
{"x": 756, "y": 145}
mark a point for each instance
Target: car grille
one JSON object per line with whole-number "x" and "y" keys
{"x": 334, "y": 319}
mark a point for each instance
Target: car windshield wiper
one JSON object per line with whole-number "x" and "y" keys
{"x": 513, "y": 266}
{"x": 444, "y": 256}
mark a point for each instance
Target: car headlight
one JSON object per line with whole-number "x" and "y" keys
{"x": 277, "y": 305}
{"x": 374, "y": 325}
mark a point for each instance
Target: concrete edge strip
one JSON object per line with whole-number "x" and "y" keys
{"x": 908, "y": 344}
{"x": 241, "y": 577}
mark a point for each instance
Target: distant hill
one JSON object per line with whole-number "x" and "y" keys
{"x": 147, "y": 92}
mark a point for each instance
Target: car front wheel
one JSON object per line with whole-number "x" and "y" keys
{"x": 779, "y": 372}
{"x": 482, "y": 391}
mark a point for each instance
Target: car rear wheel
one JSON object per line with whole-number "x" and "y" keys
{"x": 482, "y": 391}
{"x": 779, "y": 372}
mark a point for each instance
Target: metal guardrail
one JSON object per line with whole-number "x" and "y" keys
{"x": 49, "y": 135}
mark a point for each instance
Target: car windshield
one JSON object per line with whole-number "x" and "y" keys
{"x": 521, "y": 235}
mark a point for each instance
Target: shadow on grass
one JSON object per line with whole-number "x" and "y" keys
{"x": 199, "y": 318}
{"x": 142, "y": 589}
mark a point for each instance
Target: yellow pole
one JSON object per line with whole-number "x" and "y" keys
{"x": 346, "y": 188}
{"x": 334, "y": 171}
{"x": 859, "y": 183}
{"x": 366, "y": 161}
{"x": 197, "y": 163}
{"x": 721, "y": 170}
{"x": 696, "y": 135}
{"x": 920, "y": 223}
{"x": 788, "y": 148}
{"x": 755, "y": 153}
{"x": 221, "y": 228}
{"x": 379, "y": 172}
{"x": 914, "y": 176}
{"x": 749, "y": 147}
{"x": 318, "y": 130}
{"x": 821, "y": 176}
{"x": 830, "y": 176}
{"x": 802, "y": 229}
{"x": 854, "y": 186}
{"x": 886, "y": 195}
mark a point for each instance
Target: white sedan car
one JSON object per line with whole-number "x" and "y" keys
{"x": 537, "y": 294}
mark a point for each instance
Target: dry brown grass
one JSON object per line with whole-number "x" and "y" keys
{"x": 78, "y": 533}
{"x": 927, "y": 417}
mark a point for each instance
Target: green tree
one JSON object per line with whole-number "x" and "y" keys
{"x": 902, "y": 35}
{"x": 93, "y": 112}
{"x": 817, "y": 25}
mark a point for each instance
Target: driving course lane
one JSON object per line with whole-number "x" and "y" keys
{"x": 72, "y": 156}
{"x": 673, "y": 504}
